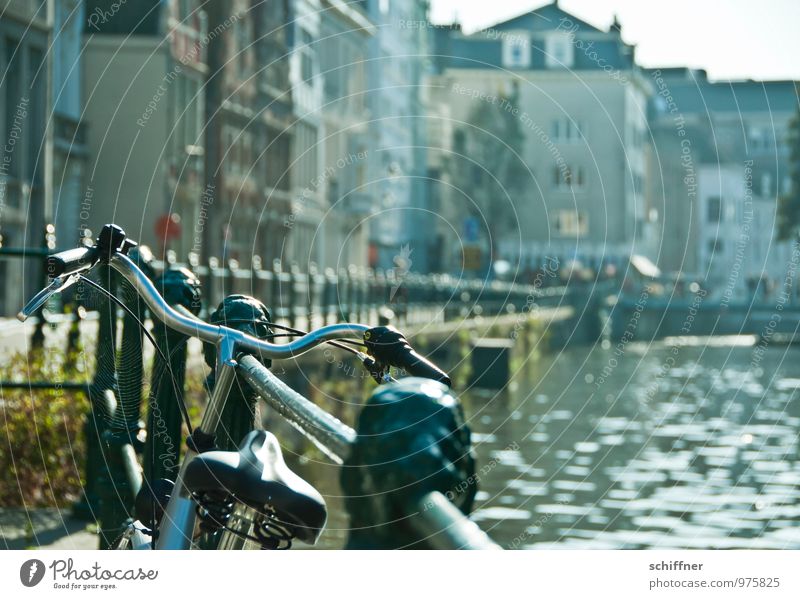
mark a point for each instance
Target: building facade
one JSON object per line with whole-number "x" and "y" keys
{"x": 720, "y": 161}
{"x": 143, "y": 74}
{"x": 565, "y": 104}
{"x": 69, "y": 129}
{"x": 248, "y": 114}
{"x": 398, "y": 186}
{"x": 26, "y": 198}
{"x": 330, "y": 148}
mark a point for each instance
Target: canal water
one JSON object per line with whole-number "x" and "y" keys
{"x": 681, "y": 443}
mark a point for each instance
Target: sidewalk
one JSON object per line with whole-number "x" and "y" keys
{"x": 44, "y": 528}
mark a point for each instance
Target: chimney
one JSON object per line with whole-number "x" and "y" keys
{"x": 616, "y": 26}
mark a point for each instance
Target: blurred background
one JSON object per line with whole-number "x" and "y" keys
{"x": 519, "y": 142}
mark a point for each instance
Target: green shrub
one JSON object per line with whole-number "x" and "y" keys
{"x": 42, "y": 445}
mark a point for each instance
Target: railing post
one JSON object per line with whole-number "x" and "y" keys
{"x": 296, "y": 283}
{"x": 328, "y": 298}
{"x": 215, "y": 280}
{"x": 352, "y": 293}
{"x": 121, "y": 438}
{"x": 363, "y": 288}
{"x": 343, "y": 296}
{"x": 311, "y": 294}
{"x": 74, "y": 345}
{"x": 239, "y": 416}
{"x": 102, "y": 393}
{"x": 246, "y": 314}
{"x": 49, "y": 245}
{"x": 233, "y": 268}
{"x": 181, "y": 289}
{"x": 131, "y": 372}
{"x": 280, "y": 293}
{"x": 261, "y": 281}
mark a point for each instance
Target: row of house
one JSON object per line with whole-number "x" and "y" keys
{"x": 264, "y": 142}
{"x": 357, "y": 133}
{"x": 560, "y": 146}
{"x": 229, "y": 129}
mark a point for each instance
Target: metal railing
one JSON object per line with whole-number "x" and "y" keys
{"x": 310, "y": 299}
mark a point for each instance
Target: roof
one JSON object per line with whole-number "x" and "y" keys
{"x": 693, "y": 92}
{"x": 544, "y": 18}
{"x": 594, "y": 49}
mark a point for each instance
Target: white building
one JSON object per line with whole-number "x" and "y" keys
{"x": 579, "y": 101}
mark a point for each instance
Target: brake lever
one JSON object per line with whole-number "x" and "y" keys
{"x": 379, "y": 372}
{"x": 40, "y": 299}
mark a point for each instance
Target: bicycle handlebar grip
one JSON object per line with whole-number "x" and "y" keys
{"x": 389, "y": 346}
{"x": 71, "y": 261}
{"x": 416, "y": 365}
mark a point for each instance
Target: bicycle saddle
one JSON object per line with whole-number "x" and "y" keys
{"x": 257, "y": 476}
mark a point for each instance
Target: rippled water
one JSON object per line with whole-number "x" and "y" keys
{"x": 684, "y": 443}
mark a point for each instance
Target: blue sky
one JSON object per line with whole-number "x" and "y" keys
{"x": 731, "y": 39}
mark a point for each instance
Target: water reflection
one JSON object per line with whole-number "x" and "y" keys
{"x": 700, "y": 454}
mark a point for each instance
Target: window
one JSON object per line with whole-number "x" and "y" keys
{"x": 565, "y": 177}
{"x": 37, "y": 76}
{"x": 307, "y": 56}
{"x": 714, "y": 210}
{"x": 766, "y": 184}
{"x": 567, "y": 129}
{"x": 13, "y": 85}
{"x": 459, "y": 142}
{"x": 558, "y": 50}
{"x": 305, "y": 148}
{"x": 516, "y": 51}
{"x": 477, "y": 174}
{"x": 276, "y": 157}
{"x": 243, "y": 43}
{"x": 760, "y": 139}
{"x": 333, "y": 191}
{"x": 570, "y": 223}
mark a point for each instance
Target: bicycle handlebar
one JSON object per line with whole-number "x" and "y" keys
{"x": 72, "y": 261}
{"x": 386, "y": 344}
{"x": 212, "y": 333}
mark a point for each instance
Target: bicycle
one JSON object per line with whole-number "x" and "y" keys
{"x": 250, "y": 495}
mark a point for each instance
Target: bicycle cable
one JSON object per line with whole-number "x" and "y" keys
{"x": 181, "y": 402}
{"x": 335, "y": 343}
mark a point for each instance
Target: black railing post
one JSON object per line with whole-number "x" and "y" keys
{"x": 239, "y": 416}
{"x": 182, "y": 290}
{"x": 121, "y": 438}
{"x": 230, "y": 277}
{"x": 49, "y": 246}
{"x": 297, "y": 283}
{"x": 215, "y": 281}
{"x": 311, "y": 302}
{"x": 131, "y": 361}
{"x": 102, "y": 392}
